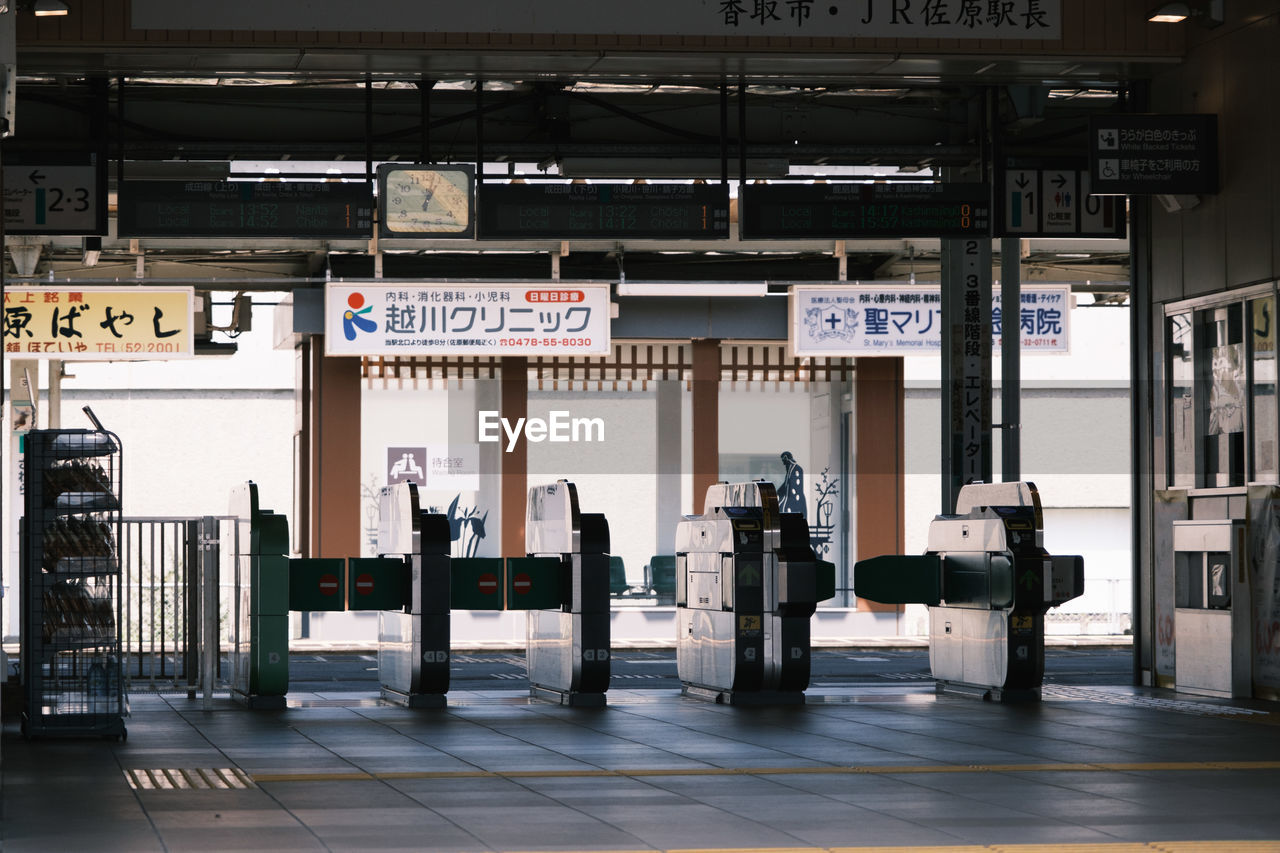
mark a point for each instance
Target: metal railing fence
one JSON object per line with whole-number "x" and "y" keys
{"x": 163, "y": 563}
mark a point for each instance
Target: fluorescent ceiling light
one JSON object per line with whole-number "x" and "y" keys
{"x": 1207, "y": 12}
{"x": 45, "y": 8}
{"x": 693, "y": 288}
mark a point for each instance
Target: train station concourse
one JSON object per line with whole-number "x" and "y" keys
{"x": 689, "y": 425}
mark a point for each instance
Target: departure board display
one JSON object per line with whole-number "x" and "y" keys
{"x": 245, "y": 209}
{"x": 603, "y": 211}
{"x": 839, "y": 211}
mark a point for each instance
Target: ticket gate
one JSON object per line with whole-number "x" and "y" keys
{"x": 414, "y": 584}
{"x": 988, "y": 582}
{"x": 568, "y": 649}
{"x": 413, "y": 642}
{"x": 747, "y": 583}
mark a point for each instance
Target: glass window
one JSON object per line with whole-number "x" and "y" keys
{"x": 1182, "y": 453}
{"x": 1223, "y": 401}
{"x": 1262, "y": 337}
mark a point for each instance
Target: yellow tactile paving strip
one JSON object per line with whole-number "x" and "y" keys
{"x": 881, "y": 770}
{"x": 1117, "y": 847}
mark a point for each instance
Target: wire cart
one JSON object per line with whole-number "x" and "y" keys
{"x": 72, "y": 671}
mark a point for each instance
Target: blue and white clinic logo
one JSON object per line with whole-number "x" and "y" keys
{"x": 824, "y": 323}
{"x": 353, "y": 318}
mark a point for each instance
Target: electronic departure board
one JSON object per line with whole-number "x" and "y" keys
{"x": 245, "y": 209}
{"x": 865, "y": 210}
{"x": 603, "y": 211}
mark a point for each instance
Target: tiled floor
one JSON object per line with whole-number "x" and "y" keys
{"x": 1115, "y": 767}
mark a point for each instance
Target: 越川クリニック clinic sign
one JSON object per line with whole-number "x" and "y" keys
{"x": 418, "y": 318}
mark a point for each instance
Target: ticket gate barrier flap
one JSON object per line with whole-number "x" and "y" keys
{"x": 660, "y": 577}
{"x": 824, "y": 580}
{"x": 534, "y": 583}
{"x": 318, "y": 584}
{"x": 477, "y": 583}
{"x": 899, "y": 579}
{"x": 377, "y": 583}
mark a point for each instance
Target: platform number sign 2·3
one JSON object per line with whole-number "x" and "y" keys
{"x": 53, "y": 200}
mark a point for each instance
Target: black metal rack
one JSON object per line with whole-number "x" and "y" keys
{"x": 72, "y": 670}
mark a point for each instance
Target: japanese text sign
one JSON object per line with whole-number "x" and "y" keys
{"x": 93, "y": 324}
{"x": 963, "y": 19}
{"x": 428, "y": 318}
{"x": 860, "y": 320}
{"x": 1154, "y": 154}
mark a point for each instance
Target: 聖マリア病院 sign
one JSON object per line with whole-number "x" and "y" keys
{"x": 861, "y": 320}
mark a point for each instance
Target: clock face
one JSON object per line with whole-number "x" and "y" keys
{"x": 425, "y": 201}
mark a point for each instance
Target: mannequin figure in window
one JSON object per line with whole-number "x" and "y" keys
{"x": 791, "y": 496}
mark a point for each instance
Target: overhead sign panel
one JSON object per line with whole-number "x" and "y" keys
{"x": 843, "y": 211}
{"x": 1057, "y": 202}
{"x": 426, "y": 201}
{"x": 561, "y": 211}
{"x": 325, "y": 210}
{"x": 99, "y": 325}
{"x": 54, "y": 199}
{"x": 1154, "y": 154}
{"x": 430, "y": 318}
{"x": 960, "y": 19}
{"x": 859, "y": 320}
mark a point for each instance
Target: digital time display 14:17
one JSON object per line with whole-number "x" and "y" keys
{"x": 603, "y": 211}
{"x": 839, "y": 211}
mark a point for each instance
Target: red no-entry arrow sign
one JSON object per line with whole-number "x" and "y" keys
{"x": 488, "y": 583}
{"x": 328, "y": 584}
{"x": 364, "y": 584}
{"x": 521, "y": 583}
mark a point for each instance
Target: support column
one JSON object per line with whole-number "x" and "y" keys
{"x": 669, "y": 438}
{"x": 333, "y": 438}
{"x": 879, "y": 461}
{"x": 1010, "y": 360}
{"x": 966, "y": 366}
{"x": 515, "y": 464}
{"x": 706, "y": 419}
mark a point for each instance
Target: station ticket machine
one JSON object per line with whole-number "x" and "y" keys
{"x": 747, "y": 583}
{"x": 568, "y": 648}
{"x": 988, "y": 582}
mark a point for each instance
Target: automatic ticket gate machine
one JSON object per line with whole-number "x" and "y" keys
{"x": 988, "y": 582}
{"x": 413, "y": 642}
{"x": 568, "y": 646}
{"x": 747, "y": 583}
